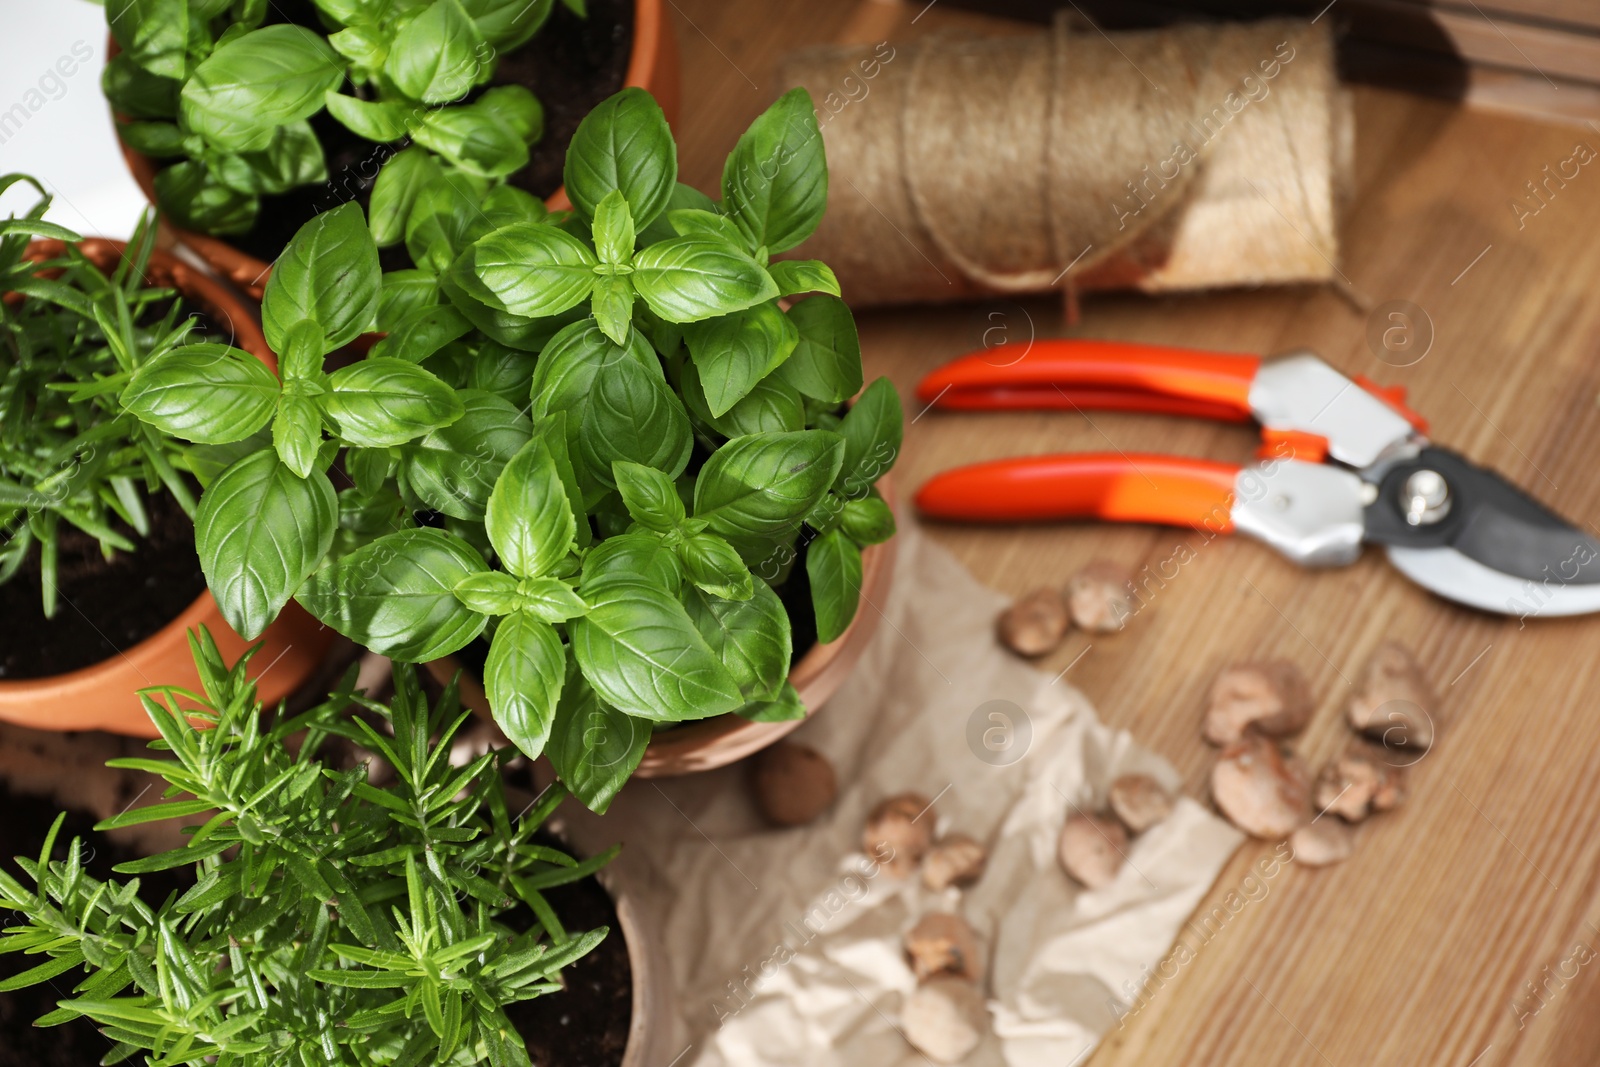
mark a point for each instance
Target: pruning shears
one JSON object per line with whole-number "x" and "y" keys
{"x": 1344, "y": 463}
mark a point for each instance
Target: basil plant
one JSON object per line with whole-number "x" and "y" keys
{"x": 208, "y": 83}
{"x": 603, "y": 439}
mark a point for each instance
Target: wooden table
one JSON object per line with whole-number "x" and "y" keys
{"x": 1421, "y": 948}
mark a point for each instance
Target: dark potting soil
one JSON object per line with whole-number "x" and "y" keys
{"x": 22, "y": 832}
{"x": 586, "y": 1024}
{"x": 105, "y": 606}
{"x": 571, "y": 65}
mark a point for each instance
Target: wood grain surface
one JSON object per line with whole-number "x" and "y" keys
{"x": 1427, "y": 946}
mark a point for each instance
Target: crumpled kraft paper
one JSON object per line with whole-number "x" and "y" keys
{"x": 785, "y": 945}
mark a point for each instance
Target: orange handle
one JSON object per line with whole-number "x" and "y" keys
{"x": 1115, "y": 375}
{"x": 1168, "y": 490}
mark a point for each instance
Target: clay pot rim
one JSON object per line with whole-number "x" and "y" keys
{"x": 251, "y": 274}
{"x": 213, "y": 298}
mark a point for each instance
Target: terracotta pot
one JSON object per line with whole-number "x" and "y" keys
{"x": 652, "y": 66}
{"x": 103, "y": 696}
{"x": 710, "y": 743}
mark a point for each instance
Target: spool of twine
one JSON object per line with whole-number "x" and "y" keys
{"x": 1184, "y": 158}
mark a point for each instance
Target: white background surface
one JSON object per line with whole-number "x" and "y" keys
{"x": 66, "y": 138}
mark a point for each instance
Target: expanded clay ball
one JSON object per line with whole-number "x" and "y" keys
{"x": 1034, "y": 624}
{"x": 942, "y": 943}
{"x": 1139, "y": 801}
{"x": 1359, "y": 783}
{"x": 1100, "y": 597}
{"x": 945, "y": 1018}
{"x": 1259, "y": 789}
{"x": 1322, "y": 843}
{"x": 1273, "y": 697}
{"x": 1091, "y": 849}
{"x": 899, "y": 832}
{"x": 792, "y": 783}
{"x": 1395, "y": 703}
{"x": 956, "y": 860}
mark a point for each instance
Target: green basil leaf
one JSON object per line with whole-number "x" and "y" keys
{"x": 259, "y": 532}
{"x": 291, "y": 159}
{"x": 422, "y": 333}
{"x": 613, "y": 229}
{"x": 701, "y": 223}
{"x": 263, "y": 79}
{"x": 642, "y": 654}
{"x": 403, "y": 293}
{"x": 826, "y": 363}
{"x": 380, "y": 402}
{"x": 532, "y": 270}
{"x": 207, "y": 462}
{"x": 396, "y": 595}
{"x": 685, "y": 197}
{"x": 686, "y": 279}
{"x": 136, "y": 93}
{"x": 489, "y": 592}
{"x": 550, "y": 599}
{"x": 158, "y": 140}
{"x": 376, "y": 120}
{"x": 153, "y": 33}
{"x": 872, "y": 430}
{"x": 503, "y": 371}
{"x": 833, "y": 563}
{"x": 474, "y": 139}
{"x": 633, "y": 415}
{"x": 734, "y": 352}
{"x": 623, "y": 144}
{"x": 714, "y": 566}
{"x": 650, "y": 496}
{"x": 522, "y": 677}
{"x": 193, "y": 199}
{"x": 772, "y": 407}
{"x": 453, "y": 469}
{"x": 328, "y": 274}
{"x": 758, "y": 488}
{"x": 437, "y": 56}
{"x": 613, "y": 306}
{"x": 787, "y": 707}
{"x": 796, "y": 276}
{"x": 444, "y": 220}
{"x": 507, "y": 24}
{"x": 867, "y": 521}
{"x": 395, "y": 191}
{"x": 514, "y": 107}
{"x": 506, "y": 204}
{"x": 751, "y": 637}
{"x": 297, "y": 432}
{"x": 529, "y": 519}
{"x": 563, "y": 381}
{"x": 369, "y": 467}
{"x": 636, "y": 555}
{"x": 365, "y": 47}
{"x": 206, "y": 393}
{"x": 517, "y": 331}
{"x": 775, "y": 183}
{"x": 593, "y": 748}
{"x": 365, "y": 516}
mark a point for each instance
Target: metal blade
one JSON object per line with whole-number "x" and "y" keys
{"x": 1472, "y": 536}
{"x": 1455, "y": 576}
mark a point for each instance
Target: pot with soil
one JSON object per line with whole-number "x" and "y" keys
{"x": 351, "y": 899}
{"x": 99, "y": 577}
{"x": 359, "y": 110}
{"x": 618, "y": 444}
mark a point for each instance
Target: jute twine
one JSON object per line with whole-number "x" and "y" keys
{"x": 1184, "y": 158}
